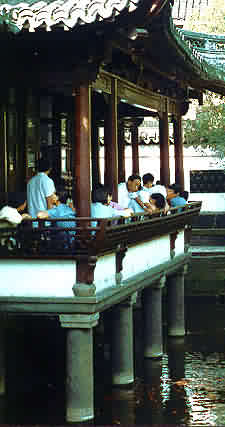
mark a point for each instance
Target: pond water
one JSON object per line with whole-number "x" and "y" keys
{"x": 185, "y": 387}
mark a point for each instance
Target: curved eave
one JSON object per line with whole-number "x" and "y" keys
{"x": 196, "y": 71}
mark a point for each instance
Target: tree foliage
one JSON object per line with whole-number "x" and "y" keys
{"x": 208, "y": 129}
{"x": 211, "y": 20}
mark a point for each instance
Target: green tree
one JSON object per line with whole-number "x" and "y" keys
{"x": 208, "y": 129}
{"x": 211, "y": 20}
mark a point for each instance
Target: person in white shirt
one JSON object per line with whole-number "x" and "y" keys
{"x": 159, "y": 188}
{"x": 128, "y": 190}
{"x": 149, "y": 203}
{"x": 40, "y": 190}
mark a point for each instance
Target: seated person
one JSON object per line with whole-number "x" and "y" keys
{"x": 173, "y": 196}
{"x": 9, "y": 214}
{"x": 114, "y": 205}
{"x": 158, "y": 202}
{"x": 10, "y": 217}
{"x": 141, "y": 197}
{"x": 100, "y": 207}
{"x": 147, "y": 180}
{"x": 152, "y": 203}
{"x": 159, "y": 188}
{"x": 128, "y": 190}
{"x": 61, "y": 210}
{"x": 185, "y": 195}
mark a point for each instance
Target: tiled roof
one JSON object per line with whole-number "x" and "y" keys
{"x": 34, "y": 14}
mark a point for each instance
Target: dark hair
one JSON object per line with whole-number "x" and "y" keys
{"x": 15, "y": 199}
{"x": 133, "y": 177}
{"x": 175, "y": 187}
{"x": 148, "y": 177}
{"x": 62, "y": 195}
{"x": 160, "y": 200}
{"x": 158, "y": 183}
{"x": 185, "y": 195}
{"x": 100, "y": 195}
{"x": 43, "y": 165}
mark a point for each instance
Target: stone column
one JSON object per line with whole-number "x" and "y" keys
{"x": 152, "y": 305}
{"x": 178, "y": 151}
{"x": 110, "y": 141}
{"x": 79, "y": 366}
{"x": 164, "y": 148}
{"x": 122, "y": 342}
{"x": 175, "y": 303}
{"x": 121, "y": 153}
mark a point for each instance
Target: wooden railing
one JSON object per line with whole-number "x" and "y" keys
{"x": 90, "y": 235}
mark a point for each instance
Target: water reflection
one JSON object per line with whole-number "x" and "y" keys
{"x": 176, "y": 409}
{"x": 185, "y": 387}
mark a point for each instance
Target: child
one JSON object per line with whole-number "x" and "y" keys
{"x": 174, "y": 196}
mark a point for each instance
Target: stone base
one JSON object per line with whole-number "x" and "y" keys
{"x": 79, "y": 415}
{"x": 122, "y": 379}
{"x": 84, "y": 290}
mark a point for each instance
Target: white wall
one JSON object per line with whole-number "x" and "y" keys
{"x": 49, "y": 278}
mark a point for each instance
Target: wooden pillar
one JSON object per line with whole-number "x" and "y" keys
{"x": 178, "y": 151}
{"x": 3, "y": 153}
{"x": 82, "y": 148}
{"x": 121, "y": 153}
{"x": 110, "y": 141}
{"x": 95, "y": 162}
{"x": 134, "y": 144}
{"x": 164, "y": 148}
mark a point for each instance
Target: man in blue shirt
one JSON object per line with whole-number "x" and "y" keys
{"x": 174, "y": 198}
{"x": 40, "y": 189}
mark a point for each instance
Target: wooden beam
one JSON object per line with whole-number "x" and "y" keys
{"x": 135, "y": 94}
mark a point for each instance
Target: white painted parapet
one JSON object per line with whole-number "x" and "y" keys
{"x": 55, "y": 278}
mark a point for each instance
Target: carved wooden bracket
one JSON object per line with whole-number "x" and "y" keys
{"x": 85, "y": 269}
{"x": 187, "y": 237}
{"x": 120, "y": 254}
{"x": 173, "y": 237}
